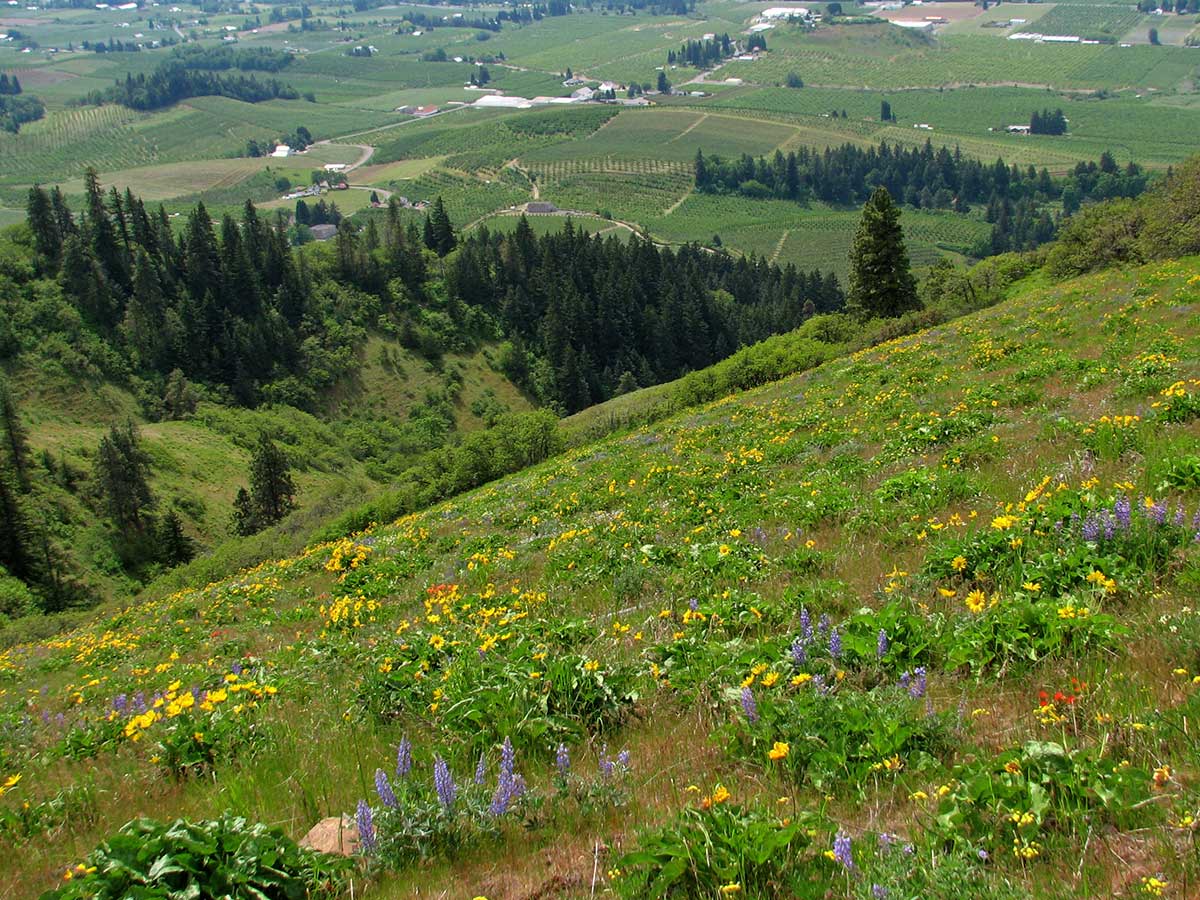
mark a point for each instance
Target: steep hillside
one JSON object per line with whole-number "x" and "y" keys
{"x": 918, "y": 622}
{"x": 395, "y": 404}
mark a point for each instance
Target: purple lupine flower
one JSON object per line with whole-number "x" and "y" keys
{"x": 518, "y": 786}
{"x": 502, "y": 798}
{"x": 1123, "y": 509}
{"x": 443, "y": 783}
{"x": 886, "y": 839}
{"x": 120, "y": 702}
{"x": 879, "y": 892}
{"x": 605, "y": 764}
{"x": 366, "y": 827}
{"x": 384, "y": 789}
{"x": 799, "y": 653}
{"x": 818, "y": 684}
{"x": 823, "y": 624}
{"x": 236, "y": 668}
{"x": 1180, "y": 516}
{"x": 623, "y": 759}
{"x": 693, "y": 604}
{"x": 508, "y": 759}
{"x": 841, "y": 849}
{"x": 749, "y": 706}
{"x": 806, "y": 631}
{"x": 1090, "y": 529}
{"x": 139, "y": 702}
{"x": 562, "y": 760}
{"x": 481, "y": 769}
{"x": 905, "y": 679}
{"x": 917, "y": 688}
{"x": 835, "y": 644}
{"x": 1196, "y": 519}
{"x": 404, "y": 758}
{"x": 1110, "y": 525}
{"x": 983, "y": 855}
{"x": 1158, "y": 513}
{"x": 881, "y": 644}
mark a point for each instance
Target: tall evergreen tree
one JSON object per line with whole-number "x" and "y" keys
{"x": 16, "y": 440}
{"x": 121, "y": 469}
{"x": 175, "y": 547}
{"x": 881, "y": 283}
{"x": 272, "y": 491}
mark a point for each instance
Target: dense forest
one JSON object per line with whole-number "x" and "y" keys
{"x": 589, "y": 318}
{"x": 15, "y": 111}
{"x": 259, "y": 59}
{"x": 172, "y": 81}
{"x": 1018, "y": 200}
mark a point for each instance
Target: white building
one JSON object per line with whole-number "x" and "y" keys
{"x": 282, "y": 151}
{"x": 785, "y": 12}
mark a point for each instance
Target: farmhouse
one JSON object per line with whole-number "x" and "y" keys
{"x": 282, "y": 151}
{"x": 422, "y": 112}
{"x": 1017, "y": 129}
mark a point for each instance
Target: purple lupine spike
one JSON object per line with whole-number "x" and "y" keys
{"x": 384, "y": 789}
{"x": 404, "y": 758}
{"x": 481, "y": 769}
{"x": 502, "y": 797}
{"x": 823, "y": 624}
{"x": 1158, "y": 513}
{"x": 749, "y": 705}
{"x": 905, "y": 679}
{"x": 842, "y": 851}
{"x": 835, "y": 644}
{"x": 693, "y": 604}
{"x": 1123, "y": 508}
{"x": 1180, "y": 516}
{"x": 806, "y": 630}
{"x": 605, "y": 764}
{"x": 623, "y": 759}
{"x": 139, "y": 702}
{"x": 366, "y": 827}
{"x": 508, "y": 758}
{"x": 818, "y": 684}
{"x": 879, "y": 892}
{"x": 443, "y": 783}
{"x": 917, "y": 688}
{"x": 1110, "y": 525}
{"x": 1090, "y": 529}
{"x": 799, "y": 653}
{"x": 562, "y": 760}
{"x": 236, "y": 668}
{"x": 881, "y": 644}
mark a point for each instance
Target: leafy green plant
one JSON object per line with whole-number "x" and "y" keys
{"x": 225, "y": 857}
{"x": 708, "y": 848}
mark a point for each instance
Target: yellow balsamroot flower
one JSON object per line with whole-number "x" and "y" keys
{"x": 976, "y": 601}
{"x": 802, "y": 678}
{"x": 591, "y": 665}
{"x": 918, "y": 796}
{"x": 779, "y": 751}
{"x": 947, "y": 593}
{"x": 770, "y": 679}
{"x": 1012, "y": 767}
{"x": 1154, "y": 886}
{"x": 1162, "y": 775}
{"x": 959, "y": 563}
{"x": 730, "y": 889}
{"x": 1032, "y": 586}
{"x": 724, "y": 550}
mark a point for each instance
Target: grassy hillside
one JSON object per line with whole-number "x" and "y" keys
{"x": 395, "y": 405}
{"x": 918, "y": 622}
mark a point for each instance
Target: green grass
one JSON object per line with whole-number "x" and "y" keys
{"x": 883, "y": 60}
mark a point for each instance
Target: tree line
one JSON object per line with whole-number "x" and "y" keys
{"x": 1048, "y": 122}
{"x": 172, "y": 81}
{"x": 588, "y": 318}
{"x": 702, "y": 54}
{"x": 16, "y": 111}
{"x": 9, "y": 85}
{"x": 221, "y": 58}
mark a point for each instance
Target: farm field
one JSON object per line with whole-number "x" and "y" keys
{"x": 885, "y": 583}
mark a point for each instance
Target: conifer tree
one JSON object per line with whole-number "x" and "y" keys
{"x": 881, "y": 283}
{"x": 272, "y": 491}
{"x": 175, "y": 547}
{"x": 121, "y": 468}
{"x": 16, "y": 440}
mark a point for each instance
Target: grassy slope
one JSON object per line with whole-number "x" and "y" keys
{"x": 198, "y": 465}
{"x": 606, "y": 532}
